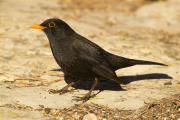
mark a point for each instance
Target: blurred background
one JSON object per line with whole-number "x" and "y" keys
{"x": 146, "y": 19}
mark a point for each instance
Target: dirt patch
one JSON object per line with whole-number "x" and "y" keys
{"x": 166, "y": 108}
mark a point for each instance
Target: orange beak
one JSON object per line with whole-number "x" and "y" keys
{"x": 37, "y": 26}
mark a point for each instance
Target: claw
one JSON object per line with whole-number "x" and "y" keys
{"x": 83, "y": 99}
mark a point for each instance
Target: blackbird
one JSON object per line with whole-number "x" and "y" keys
{"x": 82, "y": 58}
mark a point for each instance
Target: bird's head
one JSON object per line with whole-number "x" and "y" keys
{"x": 54, "y": 28}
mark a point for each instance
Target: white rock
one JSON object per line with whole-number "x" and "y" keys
{"x": 90, "y": 116}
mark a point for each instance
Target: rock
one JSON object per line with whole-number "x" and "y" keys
{"x": 47, "y": 110}
{"x": 76, "y": 117}
{"x": 90, "y": 116}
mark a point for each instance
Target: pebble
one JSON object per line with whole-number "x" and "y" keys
{"x": 41, "y": 106}
{"x": 76, "y": 117}
{"x": 61, "y": 118}
{"x": 47, "y": 110}
{"x": 90, "y": 116}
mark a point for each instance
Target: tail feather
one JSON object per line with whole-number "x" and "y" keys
{"x": 118, "y": 62}
{"x": 143, "y": 62}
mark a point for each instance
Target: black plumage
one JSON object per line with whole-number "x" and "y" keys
{"x": 82, "y": 58}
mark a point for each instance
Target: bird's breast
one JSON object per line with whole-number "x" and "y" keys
{"x": 67, "y": 59}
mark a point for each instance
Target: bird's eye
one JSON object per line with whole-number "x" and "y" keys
{"x": 52, "y": 24}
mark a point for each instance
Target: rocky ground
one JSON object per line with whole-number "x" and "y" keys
{"x": 147, "y": 30}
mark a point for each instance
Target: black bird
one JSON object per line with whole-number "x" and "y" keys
{"x": 82, "y": 58}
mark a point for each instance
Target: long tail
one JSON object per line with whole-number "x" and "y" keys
{"x": 143, "y": 62}
{"x": 118, "y": 62}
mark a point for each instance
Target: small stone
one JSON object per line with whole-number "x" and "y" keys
{"x": 165, "y": 118}
{"x": 90, "y": 111}
{"x": 76, "y": 117}
{"x": 47, "y": 110}
{"x": 172, "y": 115}
{"x": 41, "y": 106}
{"x": 61, "y": 118}
{"x": 90, "y": 116}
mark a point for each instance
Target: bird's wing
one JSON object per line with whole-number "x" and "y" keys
{"x": 91, "y": 57}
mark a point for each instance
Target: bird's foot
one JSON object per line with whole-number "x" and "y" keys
{"x": 83, "y": 99}
{"x": 61, "y": 92}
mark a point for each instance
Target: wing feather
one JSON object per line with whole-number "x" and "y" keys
{"x": 91, "y": 57}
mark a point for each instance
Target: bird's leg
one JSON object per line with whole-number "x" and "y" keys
{"x": 88, "y": 95}
{"x": 64, "y": 89}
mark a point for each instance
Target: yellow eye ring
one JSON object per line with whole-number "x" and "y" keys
{"x": 52, "y": 24}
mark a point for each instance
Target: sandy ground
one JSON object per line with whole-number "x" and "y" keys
{"x": 134, "y": 30}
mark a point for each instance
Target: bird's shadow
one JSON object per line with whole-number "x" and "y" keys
{"x": 110, "y": 84}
